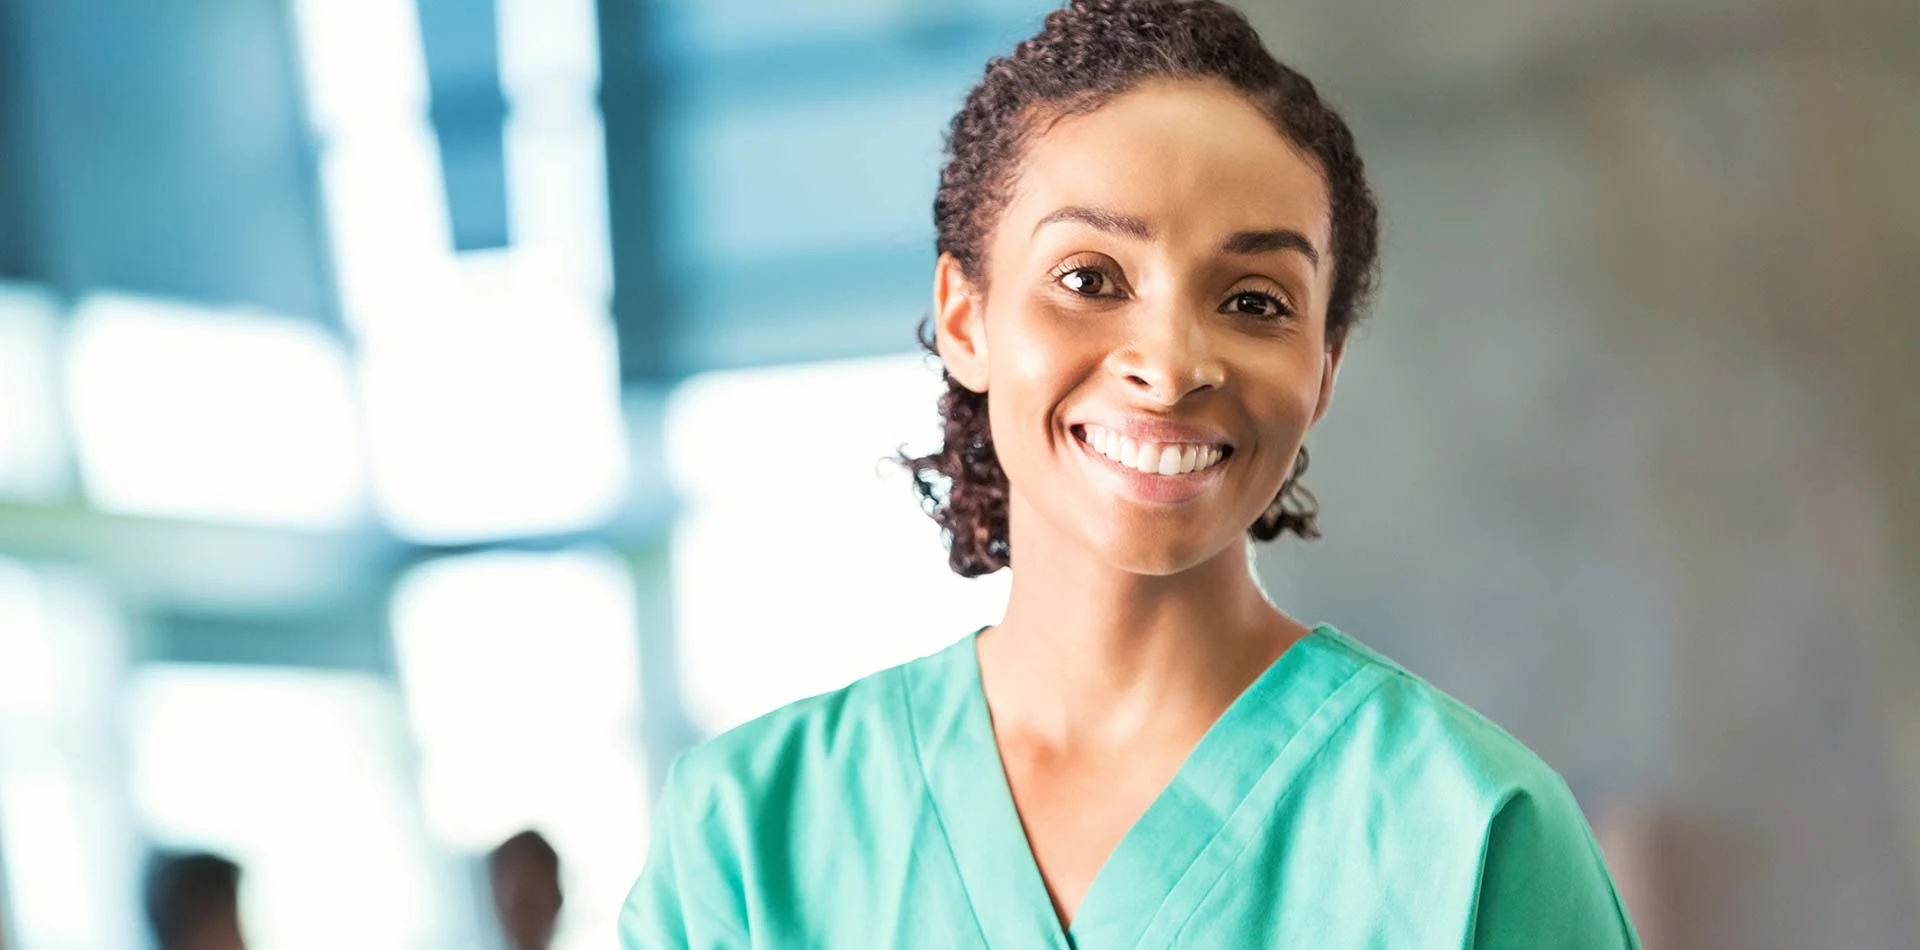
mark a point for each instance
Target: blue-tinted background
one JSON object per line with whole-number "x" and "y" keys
{"x": 421, "y": 419}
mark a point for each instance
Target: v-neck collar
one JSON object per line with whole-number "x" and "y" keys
{"x": 1179, "y": 847}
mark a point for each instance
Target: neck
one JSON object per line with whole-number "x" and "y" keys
{"x": 1092, "y": 655}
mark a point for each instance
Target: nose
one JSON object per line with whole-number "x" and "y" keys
{"x": 1169, "y": 357}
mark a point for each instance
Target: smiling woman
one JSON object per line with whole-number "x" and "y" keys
{"x": 1154, "y": 242}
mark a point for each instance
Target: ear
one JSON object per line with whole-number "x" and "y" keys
{"x": 959, "y": 325}
{"x": 1329, "y": 372}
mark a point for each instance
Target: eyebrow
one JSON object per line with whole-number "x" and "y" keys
{"x": 1238, "y": 243}
{"x": 1111, "y": 222}
{"x": 1266, "y": 242}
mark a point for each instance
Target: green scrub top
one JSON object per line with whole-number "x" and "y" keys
{"x": 1338, "y": 802}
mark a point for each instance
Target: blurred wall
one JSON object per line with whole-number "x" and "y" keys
{"x": 1635, "y": 430}
{"x": 159, "y": 149}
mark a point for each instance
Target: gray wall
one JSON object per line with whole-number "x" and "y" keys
{"x": 1626, "y": 459}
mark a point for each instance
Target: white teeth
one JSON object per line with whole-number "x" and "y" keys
{"x": 1154, "y": 458}
{"x": 1170, "y": 460}
{"x": 1147, "y": 459}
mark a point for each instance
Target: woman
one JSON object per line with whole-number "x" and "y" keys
{"x": 1154, "y": 243}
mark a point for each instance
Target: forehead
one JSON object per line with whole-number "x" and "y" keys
{"x": 1194, "y": 158}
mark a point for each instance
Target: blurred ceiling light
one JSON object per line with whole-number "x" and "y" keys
{"x": 503, "y": 648}
{"x": 365, "y": 78}
{"x": 387, "y": 217}
{"x": 28, "y": 683}
{"x": 844, "y": 417}
{"x": 549, "y": 44}
{"x": 66, "y": 845}
{"x": 184, "y": 412}
{"x": 495, "y": 411}
{"x": 557, "y": 197}
{"x": 555, "y": 156}
{"x": 42, "y": 838}
{"x": 801, "y": 632}
{"x": 33, "y": 459}
{"x": 361, "y": 62}
{"x": 60, "y": 645}
{"x": 300, "y": 776}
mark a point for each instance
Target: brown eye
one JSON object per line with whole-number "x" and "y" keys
{"x": 1255, "y": 304}
{"x": 1085, "y": 281}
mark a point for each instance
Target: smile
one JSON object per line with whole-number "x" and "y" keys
{"x": 1153, "y": 458}
{"x": 1153, "y": 471}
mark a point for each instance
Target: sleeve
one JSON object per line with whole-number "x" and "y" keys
{"x": 1543, "y": 882}
{"x": 684, "y": 898}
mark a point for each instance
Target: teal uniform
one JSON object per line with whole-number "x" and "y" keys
{"x": 1338, "y": 802}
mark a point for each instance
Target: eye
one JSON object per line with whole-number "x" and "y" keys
{"x": 1085, "y": 281}
{"x": 1253, "y": 303}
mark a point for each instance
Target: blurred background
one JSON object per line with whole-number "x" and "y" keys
{"x": 421, "y": 419}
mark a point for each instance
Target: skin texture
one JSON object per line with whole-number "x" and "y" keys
{"x": 1133, "y": 622}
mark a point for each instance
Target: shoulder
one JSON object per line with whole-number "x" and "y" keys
{"x": 857, "y": 733}
{"x": 1458, "y": 751}
{"x": 1452, "y": 776}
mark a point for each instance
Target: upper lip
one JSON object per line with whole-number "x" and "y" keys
{"x": 1143, "y": 429}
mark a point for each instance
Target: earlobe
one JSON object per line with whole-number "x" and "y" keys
{"x": 959, "y": 325}
{"x": 1329, "y": 374}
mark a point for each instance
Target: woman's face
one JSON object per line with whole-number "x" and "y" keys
{"x": 1153, "y": 333}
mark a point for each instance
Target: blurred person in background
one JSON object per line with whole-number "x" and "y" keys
{"x": 1154, "y": 240}
{"x": 193, "y": 902}
{"x": 524, "y": 876}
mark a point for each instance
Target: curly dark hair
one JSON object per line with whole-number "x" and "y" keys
{"x": 1084, "y": 56}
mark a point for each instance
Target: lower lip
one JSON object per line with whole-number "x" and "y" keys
{"x": 1155, "y": 488}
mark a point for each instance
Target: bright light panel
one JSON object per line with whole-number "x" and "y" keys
{"x": 549, "y": 44}
{"x": 32, "y": 450}
{"x": 495, "y": 414}
{"x": 501, "y": 647}
{"x": 555, "y": 154}
{"x": 361, "y": 61}
{"x": 387, "y": 216}
{"x": 66, "y": 845}
{"x": 365, "y": 77}
{"x": 190, "y": 413}
{"x": 802, "y": 561}
{"x": 557, "y": 197}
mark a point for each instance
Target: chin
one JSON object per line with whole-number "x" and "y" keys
{"x": 1141, "y": 553}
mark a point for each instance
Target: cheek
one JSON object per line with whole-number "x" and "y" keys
{"x": 1038, "y": 358}
{"x": 1037, "y": 343}
{"x": 1287, "y": 392}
